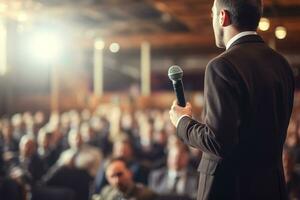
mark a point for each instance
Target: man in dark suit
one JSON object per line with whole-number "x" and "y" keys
{"x": 177, "y": 178}
{"x": 121, "y": 184}
{"x": 248, "y": 97}
{"x": 28, "y": 167}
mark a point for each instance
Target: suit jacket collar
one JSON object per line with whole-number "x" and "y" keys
{"x": 247, "y": 39}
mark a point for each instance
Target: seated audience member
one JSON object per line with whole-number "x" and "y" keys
{"x": 24, "y": 171}
{"x": 121, "y": 184}
{"x": 61, "y": 132}
{"x": 8, "y": 144}
{"x": 82, "y": 155}
{"x": 39, "y": 120}
{"x": 28, "y": 121}
{"x": 160, "y": 141}
{"x": 101, "y": 127}
{"x": 10, "y": 189}
{"x": 45, "y": 151}
{"x": 89, "y": 136}
{"x": 2, "y": 167}
{"x": 28, "y": 165}
{"x": 297, "y": 148}
{"x": 18, "y": 126}
{"x": 149, "y": 149}
{"x": 75, "y": 168}
{"x": 292, "y": 179}
{"x": 123, "y": 148}
{"x": 292, "y": 141}
{"x": 75, "y": 144}
{"x": 177, "y": 178}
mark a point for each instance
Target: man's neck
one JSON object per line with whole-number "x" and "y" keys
{"x": 229, "y": 33}
{"x": 231, "y": 38}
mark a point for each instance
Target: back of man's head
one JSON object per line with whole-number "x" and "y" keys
{"x": 244, "y": 14}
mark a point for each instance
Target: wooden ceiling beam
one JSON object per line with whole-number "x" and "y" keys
{"x": 163, "y": 40}
{"x": 281, "y": 2}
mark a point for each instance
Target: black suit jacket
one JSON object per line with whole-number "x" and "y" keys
{"x": 248, "y": 102}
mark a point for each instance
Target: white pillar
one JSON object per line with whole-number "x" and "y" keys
{"x": 98, "y": 68}
{"x": 3, "y": 45}
{"x": 145, "y": 69}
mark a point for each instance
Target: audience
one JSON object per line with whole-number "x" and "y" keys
{"x": 292, "y": 179}
{"x": 63, "y": 156}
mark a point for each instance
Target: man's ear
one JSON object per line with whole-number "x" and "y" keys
{"x": 224, "y": 18}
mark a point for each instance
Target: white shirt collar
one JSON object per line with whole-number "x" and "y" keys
{"x": 238, "y": 36}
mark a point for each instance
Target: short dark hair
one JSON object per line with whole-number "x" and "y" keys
{"x": 116, "y": 159}
{"x": 244, "y": 14}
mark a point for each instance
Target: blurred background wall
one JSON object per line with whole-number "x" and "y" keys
{"x": 63, "y": 54}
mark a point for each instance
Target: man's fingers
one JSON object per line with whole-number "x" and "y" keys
{"x": 173, "y": 108}
{"x": 174, "y": 102}
{"x": 188, "y": 105}
{"x": 174, "y": 105}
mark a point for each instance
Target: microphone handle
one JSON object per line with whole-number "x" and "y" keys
{"x": 178, "y": 88}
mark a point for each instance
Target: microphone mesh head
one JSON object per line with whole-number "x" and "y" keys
{"x": 175, "y": 73}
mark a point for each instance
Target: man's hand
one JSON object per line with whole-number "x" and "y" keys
{"x": 177, "y": 111}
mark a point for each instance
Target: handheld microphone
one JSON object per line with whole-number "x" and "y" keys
{"x": 175, "y": 74}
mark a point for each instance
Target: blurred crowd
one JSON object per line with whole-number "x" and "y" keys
{"x": 108, "y": 153}
{"x": 291, "y": 158}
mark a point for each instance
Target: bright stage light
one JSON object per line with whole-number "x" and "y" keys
{"x": 46, "y": 46}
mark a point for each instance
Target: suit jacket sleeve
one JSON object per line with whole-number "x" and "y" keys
{"x": 218, "y": 134}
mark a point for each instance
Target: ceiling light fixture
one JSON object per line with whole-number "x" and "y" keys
{"x": 280, "y": 32}
{"x": 264, "y": 24}
{"x": 114, "y": 47}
